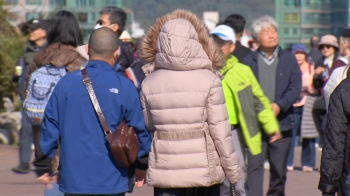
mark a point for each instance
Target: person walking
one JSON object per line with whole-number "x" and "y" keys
{"x": 63, "y": 36}
{"x": 86, "y": 165}
{"x": 280, "y": 78}
{"x": 334, "y": 172}
{"x": 302, "y": 114}
{"x": 247, "y": 106}
{"x": 314, "y": 53}
{"x": 340, "y": 69}
{"x": 184, "y": 107}
{"x": 35, "y": 43}
{"x": 114, "y": 18}
{"x": 328, "y": 46}
{"x": 237, "y": 23}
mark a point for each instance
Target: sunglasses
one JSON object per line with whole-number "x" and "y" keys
{"x": 325, "y": 46}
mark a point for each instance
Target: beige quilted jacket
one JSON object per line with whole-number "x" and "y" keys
{"x": 184, "y": 105}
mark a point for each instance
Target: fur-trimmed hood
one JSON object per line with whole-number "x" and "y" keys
{"x": 180, "y": 41}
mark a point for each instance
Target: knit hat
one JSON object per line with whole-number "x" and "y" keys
{"x": 299, "y": 48}
{"x": 330, "y": 40}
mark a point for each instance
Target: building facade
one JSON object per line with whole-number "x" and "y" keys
{"x": 86, "y": 11}
{"x": 299, "y": 20}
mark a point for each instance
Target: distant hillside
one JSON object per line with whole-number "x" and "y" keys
{"x": 146, "y": 11}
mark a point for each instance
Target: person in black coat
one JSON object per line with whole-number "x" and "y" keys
{"x": 237, "y": 23}
{"x": 334, "y": 171}
{"x": 279, "y": 76}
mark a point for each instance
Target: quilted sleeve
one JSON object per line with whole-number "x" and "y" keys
{"x": 147, "y": 113}
{"x": 334, "y": 144}
{"x": 220, "y": 132}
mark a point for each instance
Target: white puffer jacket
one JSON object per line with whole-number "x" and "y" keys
{"x": 184, "y": 105}
{"x": 337, "y": 76}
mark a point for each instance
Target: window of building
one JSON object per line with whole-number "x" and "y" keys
{"x": 286, "y": 3}
{"x": 11, "y": 2}
{"x": 296, "y": 3}
{"x": 296, "y": 18}
{"x": 111, "y": 2}
{"x": 58, "y": 2}
{"x": 82, "y": 17}
{"x": 286, "y": 31}
{"x": 295, "y": 31}
{"x": 33, "y": 2}
{"x": 286, "y": 18}
{"x": 80, "y": 3}
{"x": 93, "y": 16}
{"x": 307, "y": 31}
{"x": 91, "y": 3}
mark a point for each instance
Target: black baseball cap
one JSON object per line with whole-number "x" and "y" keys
{"x": 38, "y": 24}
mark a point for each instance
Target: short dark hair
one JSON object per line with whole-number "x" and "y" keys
{"x": 64, "y": 28}
{"x": 116, "y": 16}
{"x": 220, "y": 42}
{"x": 314, "y": 40}
{"x": 103, "y": 43}
{"x": 236, "y": 22}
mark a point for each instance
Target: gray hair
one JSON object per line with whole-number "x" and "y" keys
{"x": 262, "y": 23}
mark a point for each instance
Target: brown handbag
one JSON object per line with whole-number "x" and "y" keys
{"x": 123, "y": 143}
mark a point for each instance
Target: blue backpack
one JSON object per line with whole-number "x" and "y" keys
{"x": 41, "y": 84}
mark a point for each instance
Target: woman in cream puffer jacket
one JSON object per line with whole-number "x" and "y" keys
{"x": 184, "y": 105}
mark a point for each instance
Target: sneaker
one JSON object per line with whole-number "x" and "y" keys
{"x": 307, "y": 169}
{"x": 23, "y": 168}
{"x": 290, "y": 168}
{"x": 266, "y": 165}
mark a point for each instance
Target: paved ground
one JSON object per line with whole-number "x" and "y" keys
{"x": 299, "y": 183}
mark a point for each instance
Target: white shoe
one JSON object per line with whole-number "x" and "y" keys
{"x": 32, "y": 147}
{"x": 290, "y": 168}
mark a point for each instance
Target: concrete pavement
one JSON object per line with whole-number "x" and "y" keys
{"x": 299, "y": 183}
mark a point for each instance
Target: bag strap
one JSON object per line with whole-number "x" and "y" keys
{"x": 95, "y": 103}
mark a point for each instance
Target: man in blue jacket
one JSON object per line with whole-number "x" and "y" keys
{"x": 280, "y": 78}
{"x": 86, "y": 165}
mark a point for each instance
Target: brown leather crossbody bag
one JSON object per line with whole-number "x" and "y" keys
{"x": 123, "y": 143}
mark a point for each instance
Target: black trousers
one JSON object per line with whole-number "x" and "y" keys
{"x": 319, "y": 115}
{"x": 195, "y": 191}
{"x": 277, "y": 154}
{"x": 42, "y": 162}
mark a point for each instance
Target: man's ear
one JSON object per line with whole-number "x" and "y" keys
{"x": 116, "y": 53}
{"x": 45, "y": 33}
{"x": 115, "y": 27}
{"x": 87, "y": 48}
{"x": 232, "y": 48}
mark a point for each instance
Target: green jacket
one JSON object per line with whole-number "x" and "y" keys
{"x": 246, "y": 104}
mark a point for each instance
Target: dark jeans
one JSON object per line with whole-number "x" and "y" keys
{"x": 42, "y": 162}
{"x": 25, "y": 138}
{"x": 277, "y": 153}
{"x": 119, "y": 194}
{"x": 298, "y": 111}
{"x": 194, "y": 191}
{"x": 319, "y": 116}
{"x": 308, "y": 154}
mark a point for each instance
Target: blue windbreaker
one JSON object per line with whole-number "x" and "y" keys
{"x": 86, "y": 166}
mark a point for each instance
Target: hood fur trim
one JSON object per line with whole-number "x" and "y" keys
{"x": 150, "y": 40}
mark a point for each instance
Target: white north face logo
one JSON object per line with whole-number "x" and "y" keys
{"x": 114, "y": 90}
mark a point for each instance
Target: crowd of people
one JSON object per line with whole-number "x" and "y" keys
{"x": 209, "y": 113}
